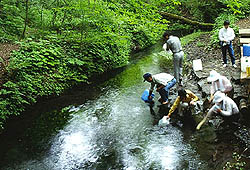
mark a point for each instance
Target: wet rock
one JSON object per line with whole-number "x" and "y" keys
{"x": 243, "y": 134}
{"x": 204, "y": 87}
{"x": 206, "y": 134}
{"x": 136, "y": 149}
{"x": 240, "y": 91}
{"x": 201, "y": 74}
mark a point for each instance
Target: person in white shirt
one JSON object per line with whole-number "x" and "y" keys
{"x": 173, "y": 43}
{"x": 226, "y": 36}
{"x": 163, "y": 82}
{"x": 219, "y": 83}
{"x": 223, "y": 105}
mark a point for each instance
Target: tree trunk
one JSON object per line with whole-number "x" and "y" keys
{"x": 26, "y": 17}
{"x": 188, "y": 21}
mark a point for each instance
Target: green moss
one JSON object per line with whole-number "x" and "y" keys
{"x": 191, "y": 37}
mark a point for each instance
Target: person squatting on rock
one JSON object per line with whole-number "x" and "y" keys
{"x": 226, "y": 36}
{"x": 173, "y": 43}
{"x": 163, "y": 82}
{"x": 185, "y": 100}
{"x": 224, "y": 106}
{"x": 219, "y": 83}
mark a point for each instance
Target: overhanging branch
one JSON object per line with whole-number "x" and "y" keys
{"x": 188, "y": 21}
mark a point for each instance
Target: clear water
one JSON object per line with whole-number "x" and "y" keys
{"x": 115, "y": 130}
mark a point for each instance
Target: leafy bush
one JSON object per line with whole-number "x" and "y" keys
{"x": 204, "y": 11}
{"x": 68, "y": 42}
{"x": 35, "y": 70}
{"x": 238, "y": 7}
{"x": 237, "y": 163}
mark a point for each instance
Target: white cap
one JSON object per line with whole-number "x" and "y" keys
{"x": 218, "y": 97}
{"x": 213, "y": 76}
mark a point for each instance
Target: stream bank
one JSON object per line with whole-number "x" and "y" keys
{"x": 220, "y": 142}
{"x": 111, "y": 128}
{"x": 117, "y": 128}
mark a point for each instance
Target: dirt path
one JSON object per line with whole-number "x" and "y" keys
{"x": 5, "y": 52}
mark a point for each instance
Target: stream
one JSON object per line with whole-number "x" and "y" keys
{"x": 104, "y": 126}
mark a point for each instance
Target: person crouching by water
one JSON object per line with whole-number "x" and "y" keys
{"x": 219, "y": 83}
{"x": 185, "y": 100}
{"x": 163, "y": 82}
{"x": 224, "y": 106}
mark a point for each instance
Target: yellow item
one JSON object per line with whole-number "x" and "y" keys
{"x": 248, "y": 71}
{"x": 190, "y": 97}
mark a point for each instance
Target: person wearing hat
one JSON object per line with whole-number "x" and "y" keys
{"x": 219, "y": 83}
{"x": 224, "y": 106}
{"x": 185, "y": 99}
{"x": 226, "y": 36}
{"x": 173, "y": 43}
{"x": 163, "y": 82}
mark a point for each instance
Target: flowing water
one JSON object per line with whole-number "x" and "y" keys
{"x": 112, "y": 130}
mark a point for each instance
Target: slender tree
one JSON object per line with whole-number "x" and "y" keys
{"x": 26, "y": 17}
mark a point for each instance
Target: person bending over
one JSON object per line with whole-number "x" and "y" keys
{"x": 185, "y": 100}
{"x": 163, "y": 82}
{"x": 224, "y": 106}
{"x": 219, "y": 83}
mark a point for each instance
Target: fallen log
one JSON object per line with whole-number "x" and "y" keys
{"x": 188, "y": 21}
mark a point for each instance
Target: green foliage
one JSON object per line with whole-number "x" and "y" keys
{"x": 205, "y": 11}
{"x": 233, "y": 5}
{"x": 67, "y": 42}
{"x": 237, "y": 164}
{"x": 238, "y": 7}
{"x": 219, "y": 24}
{"x": 37, "y": 69}
{"x": 10, "y": 25}
{"x": 191, "y": 37}
{"x": 200, "y": 44}
{"x": 12, "y": 101}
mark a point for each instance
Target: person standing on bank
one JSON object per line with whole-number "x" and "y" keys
{"x": 173, "y": 43}
{"x": 163, "y": 82}
{"x": 226, "y": 36}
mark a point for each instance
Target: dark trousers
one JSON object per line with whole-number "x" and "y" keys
{"x": 164, "y": 92}
{"x": 230, "y": 50}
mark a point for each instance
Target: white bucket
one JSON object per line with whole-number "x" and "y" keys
{"x": 164, "y": 122}
{"x": 164, "y": 47}
{"x": 197, "y": 65}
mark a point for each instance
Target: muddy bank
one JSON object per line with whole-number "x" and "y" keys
{"x": 216, "y": 141}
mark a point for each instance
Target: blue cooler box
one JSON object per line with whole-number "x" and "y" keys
{"x": 246, "y": 50}
{"x": 144, "y": 96}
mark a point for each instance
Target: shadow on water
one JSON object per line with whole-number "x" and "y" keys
{"x": 104, "y": 125}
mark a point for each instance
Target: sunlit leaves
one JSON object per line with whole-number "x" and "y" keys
{"x": 237, "y": 6}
